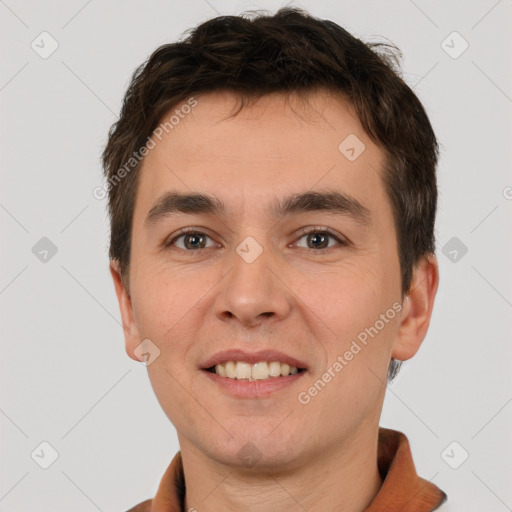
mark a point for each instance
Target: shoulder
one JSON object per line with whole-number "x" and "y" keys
{"x": 144, "y": 506}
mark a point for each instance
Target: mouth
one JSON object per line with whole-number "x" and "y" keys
{"x": 242, "y": 364}
{"x": 260, "y": 371}
{"x": 245, "y": 374}
{"x": 236, "y": 379}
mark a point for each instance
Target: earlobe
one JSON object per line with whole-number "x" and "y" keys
{"x": 131, "y": 333}
{"x": 417, "y": 308}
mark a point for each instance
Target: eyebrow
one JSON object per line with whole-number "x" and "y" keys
{"x": 197, "y": 203}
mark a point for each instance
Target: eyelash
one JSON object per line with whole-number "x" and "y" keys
{"x": 303, "y": 232}
{"x": 325, "y": 231}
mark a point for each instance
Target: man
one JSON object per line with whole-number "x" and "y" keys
{"x": 272, "y": 196}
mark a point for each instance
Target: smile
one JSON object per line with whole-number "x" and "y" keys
{"x": 263, "y": 370}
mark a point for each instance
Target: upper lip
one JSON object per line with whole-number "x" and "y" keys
{"x": 252, "y": 358}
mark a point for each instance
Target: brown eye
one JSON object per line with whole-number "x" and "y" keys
{"x": 318, "y": 239}
{"x": 191, "y": 241}
{"x": 194, "y": 241}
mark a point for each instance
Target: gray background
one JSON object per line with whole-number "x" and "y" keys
{"x": 64, "y": 376}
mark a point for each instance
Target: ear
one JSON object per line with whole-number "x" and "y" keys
{"x": 131, "y": 332}
{"x": 417, "y": 308}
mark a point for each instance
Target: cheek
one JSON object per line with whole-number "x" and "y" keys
{"x": 170, "y": 309}
{"x": 348, "y": 305}
{"x": 363, "y": 324}
{"x": 345, "y": 294}
{"x": 159, "y": 302}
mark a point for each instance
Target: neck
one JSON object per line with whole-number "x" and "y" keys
{"x": 345, "y": 478}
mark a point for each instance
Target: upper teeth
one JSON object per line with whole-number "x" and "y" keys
{"x": 261, "y": 370}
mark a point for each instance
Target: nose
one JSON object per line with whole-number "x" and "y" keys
{"x": 253, "y": 292}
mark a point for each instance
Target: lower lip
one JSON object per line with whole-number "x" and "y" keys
{"x": 253, "y": 388}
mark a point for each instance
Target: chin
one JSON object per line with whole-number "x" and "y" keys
{"x": 255, "y": 450}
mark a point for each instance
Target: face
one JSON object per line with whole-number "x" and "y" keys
{"x": 306, "y": 278}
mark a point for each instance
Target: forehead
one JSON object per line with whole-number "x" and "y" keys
{"x": 274, "y": 146}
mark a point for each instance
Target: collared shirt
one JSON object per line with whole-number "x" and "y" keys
{"x": 402, "y": 489}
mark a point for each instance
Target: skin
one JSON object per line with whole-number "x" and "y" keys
{"x": 309, "y": 304}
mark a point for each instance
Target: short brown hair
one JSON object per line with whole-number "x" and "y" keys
{"x": 290, "y": 51}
